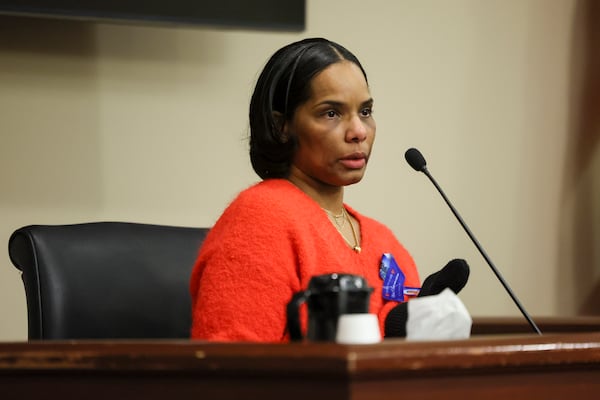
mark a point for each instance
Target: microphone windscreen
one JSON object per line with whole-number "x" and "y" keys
{"x": 454, "y": 276}
{"x": 415, "y": 159}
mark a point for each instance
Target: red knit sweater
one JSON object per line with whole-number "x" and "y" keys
{"x": 265, "y": 247}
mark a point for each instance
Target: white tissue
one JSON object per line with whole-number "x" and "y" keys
{"x": 439, "y": 317}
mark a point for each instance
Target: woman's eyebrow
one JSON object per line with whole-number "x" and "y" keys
{"x": 336, "y": 103}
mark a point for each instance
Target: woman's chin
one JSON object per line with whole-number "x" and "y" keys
{"x": 354, "y": 177}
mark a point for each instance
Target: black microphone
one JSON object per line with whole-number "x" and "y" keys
{"x": 416, "y": 160}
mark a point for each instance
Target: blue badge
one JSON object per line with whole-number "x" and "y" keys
{"x": 393, "y": 280}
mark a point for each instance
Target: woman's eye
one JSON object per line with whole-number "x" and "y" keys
{"x": 331, "y": 114}
{"x": 366, "y": 112}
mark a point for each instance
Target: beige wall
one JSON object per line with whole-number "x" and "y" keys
{"x": 148, "y": 124}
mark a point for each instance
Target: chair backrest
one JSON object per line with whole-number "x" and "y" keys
{"x": 106, "y": 279}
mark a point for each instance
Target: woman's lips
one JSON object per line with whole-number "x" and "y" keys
{"x": 354, "y": 161}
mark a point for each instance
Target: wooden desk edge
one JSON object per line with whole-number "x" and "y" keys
{"x": 390, "y": 358}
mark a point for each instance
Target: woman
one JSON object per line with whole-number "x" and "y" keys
{"x": 311, "y": 134}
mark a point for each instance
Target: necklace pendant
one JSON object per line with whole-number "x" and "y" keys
{"x": 357, "y": 249}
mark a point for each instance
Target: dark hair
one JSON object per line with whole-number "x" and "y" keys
{"x": 282, "y": 86}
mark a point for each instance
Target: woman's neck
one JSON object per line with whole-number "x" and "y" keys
{"x": 329, "y": 197}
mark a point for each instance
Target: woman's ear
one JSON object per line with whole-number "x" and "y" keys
{"x": 282, "y": 126}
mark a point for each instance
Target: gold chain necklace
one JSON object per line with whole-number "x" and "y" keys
{"x": 356, "y": 246}
{"x": 344, "y": 216}
{"x": 337, "y": 218}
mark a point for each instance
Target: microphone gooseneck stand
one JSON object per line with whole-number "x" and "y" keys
{"x": 417, "y": 162}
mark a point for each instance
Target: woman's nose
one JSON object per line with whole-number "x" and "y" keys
{"x": 356, "y": 131}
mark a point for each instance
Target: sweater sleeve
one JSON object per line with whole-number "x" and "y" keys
{"x": 244, "y": 276}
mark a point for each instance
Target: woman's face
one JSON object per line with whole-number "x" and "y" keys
{"x": 334, "y": 128}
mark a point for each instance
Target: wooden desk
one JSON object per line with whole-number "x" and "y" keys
{"x": 514, "y": 325}
{"x": 487, "y": 367}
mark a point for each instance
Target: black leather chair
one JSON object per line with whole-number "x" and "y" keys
{"x": 106, "y": 279}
